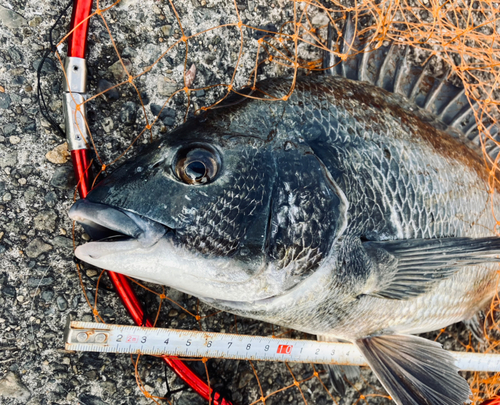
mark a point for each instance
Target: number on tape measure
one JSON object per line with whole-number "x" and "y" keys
{"x": 284, "y": 349}
{"x": 132, "y": 339}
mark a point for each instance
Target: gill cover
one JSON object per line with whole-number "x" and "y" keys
{"x": 308, "y": 212}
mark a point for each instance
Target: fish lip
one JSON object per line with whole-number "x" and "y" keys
{"x": 104, "y": 222}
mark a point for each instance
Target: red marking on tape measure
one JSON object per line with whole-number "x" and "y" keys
{"x": 132, "y": 339}
{"x": 284, "y": 349}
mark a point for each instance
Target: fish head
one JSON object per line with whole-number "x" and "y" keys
{"x": 214, "y": 215}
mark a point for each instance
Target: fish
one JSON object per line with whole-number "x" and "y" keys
{"x": 359, "y": 209}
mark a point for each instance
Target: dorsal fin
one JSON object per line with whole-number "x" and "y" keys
{"x": 388, "y": 67}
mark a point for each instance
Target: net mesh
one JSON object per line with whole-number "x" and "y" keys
{"x": 174, "y": 70}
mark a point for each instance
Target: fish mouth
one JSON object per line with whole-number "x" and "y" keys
{"x": 107, "y": 224}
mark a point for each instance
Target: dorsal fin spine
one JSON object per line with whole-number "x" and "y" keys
{"x": 450, "y": 104}
{"x": 433, "y": 95}
{"x": 383, "y": 67}
{"x": 388, "y": 67}
{"x": 460, "y": 117}
{"x": 362, "y": 74}
{"x": 399, "y": 73}
{"x": 417, "y": 84}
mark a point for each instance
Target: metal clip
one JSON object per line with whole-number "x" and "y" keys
{"x": 75, "y": 86}
{"x": 77, "y": 333}
{"x": 76, "y": 75}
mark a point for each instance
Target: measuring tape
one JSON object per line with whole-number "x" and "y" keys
{"x": 99, "y": 337}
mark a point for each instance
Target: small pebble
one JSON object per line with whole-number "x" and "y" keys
{"x": 109, "y": 95}
{"x": 117, "y": 71}
{"x": 129, "y": 52}
{"x": 50, "y": 198}
{"x": 45, "y": 220}
{"x": 9, "y": 291}
{"x": 166, "y": 29}
{"x": 173, "y": 313}
{"x": 9, "y": 129}
{"x": 168, "y": 121}
{"x": 244, "y": 378}
{"x": 47, "y": 295}
{"x": 166, "y": 88}
{"x": 58, "y": 155}
{"x": 62, "y": 304}
{"x": 88, "y": 399}
{"x": 63, "y": 178}
{"x": 91, "y": 273}
{"x": 40, "y": 282}
{"x": 107, "y": 125}
{"x": 11, "y": 19}
{"x": 4, "y": 100}
{"x": 11, "y": 386}
{"x": 62, "y": 242}
{"x": 35, "y": 22}
{"x": 128, "y": 114}
{"x": 36, "y": 247}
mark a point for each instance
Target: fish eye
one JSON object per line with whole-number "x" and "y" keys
{"x": 196, "y": 165}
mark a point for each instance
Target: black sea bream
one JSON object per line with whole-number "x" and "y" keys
{"x": 346, "y": 211}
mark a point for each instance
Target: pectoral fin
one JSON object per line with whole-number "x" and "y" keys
{"x": 415, "y": 371}
{"x": 408, "y": 268}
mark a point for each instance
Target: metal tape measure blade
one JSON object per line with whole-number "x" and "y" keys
{"x": 99, "y": 337}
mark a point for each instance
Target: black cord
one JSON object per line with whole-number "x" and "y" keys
{"x": 41, "y": 100}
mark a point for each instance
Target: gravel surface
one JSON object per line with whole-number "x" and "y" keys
{"x": 39, "y": 284}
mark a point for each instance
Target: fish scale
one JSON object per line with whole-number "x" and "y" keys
{"x": 363, "y": 218}
{"x": 446, "y": 180}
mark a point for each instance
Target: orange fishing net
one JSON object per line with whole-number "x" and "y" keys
{"x": 462, "y": 33}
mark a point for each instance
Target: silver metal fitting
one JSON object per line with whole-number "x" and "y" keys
{"x": 75, "y": 86}
{"x": 76, "y": 75}
{"x": 76, "y": 128}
